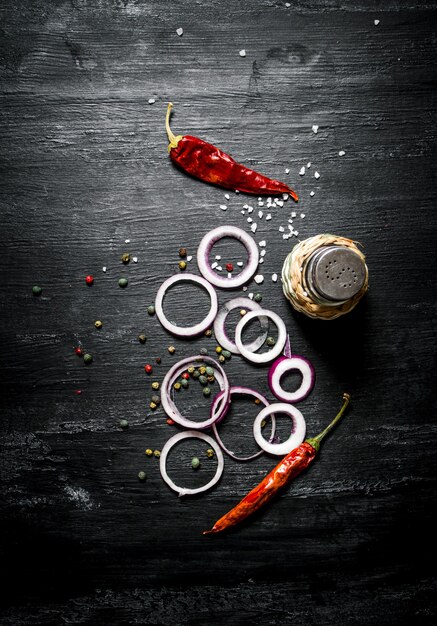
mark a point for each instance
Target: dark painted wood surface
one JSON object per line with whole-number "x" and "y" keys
{"x": 84, "y": 167}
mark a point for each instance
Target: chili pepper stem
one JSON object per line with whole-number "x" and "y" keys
{"x": 173, "y": 139}
{"x": 316, "y": 441}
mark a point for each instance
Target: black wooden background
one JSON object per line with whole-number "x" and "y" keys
{"x": 84, "y": 167}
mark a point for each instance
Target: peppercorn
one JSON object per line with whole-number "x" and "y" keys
{"x": 270, "y": 341}
{"x": 195, "y": 463}
{"x": 98, "y": 324}
{"x": 208, "y": 332}
{"x": 149, "y": 452}
{"x": 209, "y": 371}
{"x": 211, "y": 378}
{"x": 158, "y": 360}
{"x": 148, "y": 368}
{"x": 258, "y": 297}
{"x": 89, "y": 279}
{"x": 153, "y": 405}
{"x": 221, "y": 358}
{"x": 88, "y": 358}
{"x": 182, "y": 253}
{"x": 142, "y": 338}
{"x": 157, "y": 453}
{"x": 186, "y": 375}
{"x": 210, "y": 453}
{"x": 182, "y": 265}
{"x": 257, "y": 401}
{"x": 203, "y": 351}
{"x": 263, "y": 423}
{"x": 219, "y": 350}
{"x": 142, "y": 475}
{"x": 125, "y": 257}
{"x": 226, "y": 354}
{"x": 78, "y": 351}
{"x": 155, "y": 384}
{"x": 156, "y": 399}
{"x": 37, "y": 291}
{"x": 191, "y": 369}
{"x": 229, "y": 267}
{"x": 124, "y": 423}
{"x": 177, "y": 386}
{"x": 171, "y": 349}
{"x": 196, "y": 374}
{"x": 206, "y": 391}
{"x": 151, "y": 309}
{"x": 203, "y": 380}
{"x": 123, "y": 282}
{"x": 169, "y": 421}
{"x": 243, "y": 312}
{"x": 184, "y": 383}
{"x": 202, "y": 369}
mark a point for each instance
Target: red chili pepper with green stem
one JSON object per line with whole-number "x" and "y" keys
{"x": 291, "y": 465}
{"x": 212, "y": 165}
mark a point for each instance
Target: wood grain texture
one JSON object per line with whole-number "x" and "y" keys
{"x": 84, "y": 166}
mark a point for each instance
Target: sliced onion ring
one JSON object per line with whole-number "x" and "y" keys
{"x": 296, "y": 437}
{"x": 283, "y": 365}
{"x": 264, "y": 357}
{"x": 240, "y": 391}
{"x": 204, "y": 250}
{"x": 169, "y": 406}
{"x": 190, "y": 434}
{"x": 220, "y": 320}
{"x": 186, "y": 331}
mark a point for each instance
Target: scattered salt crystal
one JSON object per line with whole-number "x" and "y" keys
{"x": 285, "y": 196}
{"x": 223, "y": 207}
{"x": 280, "y": 202}
{"x": 260, "y": 214}
{"x": 302, "y": 171}
{"x": 341, "y": 153}
{"x": 261, "y": 261}
{"x": 219, "y": 268}
{"x": 262, "y": 244}
{"x": 217, "y": 257}
{"x": 127, "y": 241}
{"x": 180, "y": 31}
{"x": 281, "y": 229}
{"x": 274, "y": 277}
{"x": 287, "y": 171}
{"x": 311, "y": 193}
{"x": 315, "y": 128}
{"x": 263, "y": 252}
{"x": 302, "y": 215}
{"x": 254, "y": 227}
{"x": 242, "y": 53}
{"x": 135, "y": 259}
{"x": 250, "y": 220}
{"x": 250, "y": 295}
{"x": 245, "y": 206}
{"x": 293, "y": 214}
{"x": 376, "y": 22}
{"x": 316, "y": 175}
{"x": 309, "y": 164}
{"x": 259, "y": 278}
{"x": 296, "y": 232}
{"x": 268, "y": 216}
{"x": 227, "y": 196}
{"x": 189, "y": 258}
{"x": 260, "y": 203}
{"x": 151, "y": 100}
{"x": 285, "y": 236}
{"x": 237, "y": 191}
{"x": 249, "y": 209}
{"x": 240, "y": 263}
{"x": 243, "y": 212}
{"x": 214, "y": 265}
{"x": 290, "y": 227}
{"x": 244, "y": 288}
{"x": 288, "y": 5}
{"x": 104, "y": 268}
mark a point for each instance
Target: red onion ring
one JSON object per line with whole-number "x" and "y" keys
{"x": 168, "y": 404}
{"x": 204, "y": 250}
{"x": 220, "y": 320}
{"x": 296, "y": 437}
{"x": 264, "y": 357}
{"x": 190, "y": 434}
{"x": 242, "y": 391}
{"x": 186, "y": 331}
{"x": 286, "y": 364}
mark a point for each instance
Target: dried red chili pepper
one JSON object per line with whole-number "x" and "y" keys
{"x": 290, "y": 466}
{"x": 205, "y": 161}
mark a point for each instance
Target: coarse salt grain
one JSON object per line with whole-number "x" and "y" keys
{"x": 302, "y": 215}
{"x": 288, "y": 5}
{"x": 311, "y": 193}
{"x": 302, "y": 171}
{"x": 223, "y": 207}
{"x": 315, "y": 128}
{"x": 104, "y": 268}
{"x": 260, "y": 203}
{"x": 341, "y": 153}
{"x": 268, "y": 217}
{"x": 135, "y": 259}
{"x": 249, "y": 209}
{"x": 214, "y": 265}
{"x": 279, "y": 202}
{"x": 250, "y": 220}
{"x": 316, "y": 175}
{"x": 263, "y": 252}
{"x": 240, "y": 263}
{"x": 285, "y": 196}
{"x": 293, "y": 214}
{"x": 260, "y": 214}
{"x": 309, "y": 164}
{"x": 219, "y": 268}
{"x": 274, "y": 277}
{"x": 281, "y": 229}
{"x": 254, "y": 227}
{"x": 259, "y": 278}
{"x": 127, "y": 241}
{"x": 227, "y": 196}
{"x": 262, "y": 244}
{"x": 244, "y": 288}
{"x": 151, "y": 100}
{"x": 287, "y": 171}
{"x": 180, "y": 31}
{"x": 250, "y": 295}
{"x": 217, "y": 257}
{"x": 189, "y": 258}
{"x": 243, "y": 212}
{"x": 376, "y": 22}
{"x": 242, "y": 53}
{"x": 286, "y": 236}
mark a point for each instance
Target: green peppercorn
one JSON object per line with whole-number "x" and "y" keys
{"x": 258, "y": 297}
{"x": 219, "y": 350}
{"x": 124, "y": 423}
{"x": 125, "y": 257}
{"x": 270, "y": 341}
{"x": 191, "y": 370}
{"x": 142, "y": 338}
{"x": 203, "y": 380}
{"x": 123, "y": 282}
{"x": 87, "y": 358}
{"x": 221, "y": 358}
{"x": 142, "y": 475}
{"x": 149, "y": 452}
{"x": 209, "y": 371}
{"x": 195, "y": 463}
{"x": 37, "y": 291}
{"x": 210, "y": 453}
{"x": 151, "y": 309}
{"x": 263, "y": 423}
{"x": 203, "y": 351}
{"x": 184, "y": 383}
{"x": 157, "y": 453}
{"x": 196, "y": 374}
{"x": 153, "y": 405}
{"x": 182, "y": 253}
{"x": 226, "y": 354}
{"x": 208, "y": 332}
{"x": 206, "y": 391}
{"x": 156, "y": 399}
{"x": 182, "y": 265}
{"x": 171, "y": 349}
{"x": 155, "y": 384}
{"x": 98, "y": 324}
{"x": 177, "y": 386}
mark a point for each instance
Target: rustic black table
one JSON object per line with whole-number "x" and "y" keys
{"x": 85, "y": 177}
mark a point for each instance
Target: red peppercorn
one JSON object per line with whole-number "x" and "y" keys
{"x": 170, "y": 422}
{"x": 148, "y": 368}
{"x": 78, "y": 392}
{"x": 186, "y": 375}
{"x": 78, "y": 351}
{"x": 89, "y": 279}
{"x": 229, "y": 267}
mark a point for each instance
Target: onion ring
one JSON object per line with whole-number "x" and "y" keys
{"x": 296, "y": 437}
{"x": 186, "y": 331}
{"x": 219, "y": 324}
{"x": 168, "y": 404}
{"x": 264, "y": 357}
{"x": 242, "y": 391}
{"x": 283, "y": 365}
{"x": 205, "y": 248}
{"x": 190, "y": 434}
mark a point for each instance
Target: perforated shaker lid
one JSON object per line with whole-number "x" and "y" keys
{"x": 337, "y": 273}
